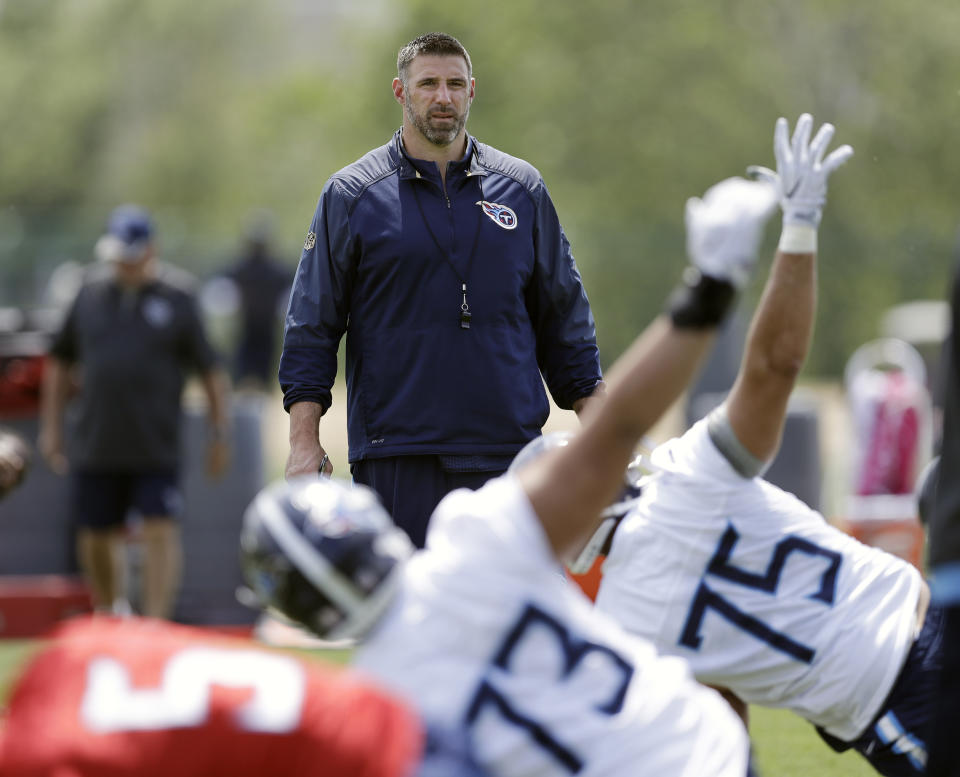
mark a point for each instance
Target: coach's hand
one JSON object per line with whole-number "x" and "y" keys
{"x": 725, "y": 227}
{"x": 307, "y": 456}
{"x": 802, "y": 171}
{"x": 308, "y": 459}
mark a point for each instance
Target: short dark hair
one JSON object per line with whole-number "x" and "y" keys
{"x": 435, "y": 43}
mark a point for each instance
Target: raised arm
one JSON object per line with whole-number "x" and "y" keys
{"x": 569, "y": 487}
{"x": 749, "y": 427}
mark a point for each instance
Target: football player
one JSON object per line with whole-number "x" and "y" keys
{"x": 146, "y": 698}
{"x": 481, "y": 628}
{"x": 757, "y": 591}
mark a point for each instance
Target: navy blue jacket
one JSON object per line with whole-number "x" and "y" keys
{"x": 385, "y": 261}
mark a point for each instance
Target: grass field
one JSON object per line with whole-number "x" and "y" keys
{"x": 785, "y": 746}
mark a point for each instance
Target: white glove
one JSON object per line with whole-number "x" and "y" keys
{"x": 802, "y": 172}
{"x": 725, "y": 227}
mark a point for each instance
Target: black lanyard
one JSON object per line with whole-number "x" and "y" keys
{"x": 465, "y": 314}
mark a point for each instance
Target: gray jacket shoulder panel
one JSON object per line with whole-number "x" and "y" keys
{"x": 496, "y": 161}
{"x": 354, "y": 179}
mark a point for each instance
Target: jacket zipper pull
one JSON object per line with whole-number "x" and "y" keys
{"x": 465, "y": 315}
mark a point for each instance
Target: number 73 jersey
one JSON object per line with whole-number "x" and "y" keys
{"x": 758, "y": 592}
{"x": 153, "y": 699}
{"x": 487, "y": 633}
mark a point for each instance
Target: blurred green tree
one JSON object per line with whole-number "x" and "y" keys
{"x": 627, "y": 110}
{"x": 203, "y": 112}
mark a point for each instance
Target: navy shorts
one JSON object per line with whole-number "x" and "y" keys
{"x": 895, "y": 743}
{"x": 103, "y": 500}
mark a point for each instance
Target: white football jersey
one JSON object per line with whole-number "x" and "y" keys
{"x": 486, "y": 631}
{"x": 758, "y": 592}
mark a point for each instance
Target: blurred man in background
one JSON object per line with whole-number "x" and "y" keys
{"x": 132, "y": 332}
{"x": 262, "y": 285}
{"x": 444, "y": 261}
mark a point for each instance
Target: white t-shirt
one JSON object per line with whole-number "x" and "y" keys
{"x": 487, "y": 631}
{"x": 758, "y": 592}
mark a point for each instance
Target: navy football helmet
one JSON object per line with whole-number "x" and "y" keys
{"x": 322, "y": 553}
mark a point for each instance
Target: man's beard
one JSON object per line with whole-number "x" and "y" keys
{"x": 437, "y": 136}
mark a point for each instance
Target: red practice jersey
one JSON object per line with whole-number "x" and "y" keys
{"x": 110, "y": 697}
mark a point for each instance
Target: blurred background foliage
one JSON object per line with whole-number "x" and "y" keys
{"x": 206, "y": 111}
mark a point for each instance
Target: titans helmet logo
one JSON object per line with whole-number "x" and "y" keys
{"x": 501, "y": 215}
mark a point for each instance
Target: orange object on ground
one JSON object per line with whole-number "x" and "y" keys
{"x": 589, "y": 581}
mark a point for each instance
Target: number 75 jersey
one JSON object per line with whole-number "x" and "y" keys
{"x": 758, "y": 592}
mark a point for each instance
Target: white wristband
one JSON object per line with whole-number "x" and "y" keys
{"x": 798, "y": 239}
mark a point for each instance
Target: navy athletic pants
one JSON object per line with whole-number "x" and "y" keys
{"x": 410, "y": 487}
